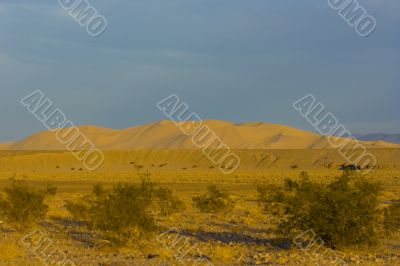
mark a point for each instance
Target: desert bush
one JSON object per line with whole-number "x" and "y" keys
{"x": 214, "y": 201}
{"x": 125, "y": 213}
{"x": 24, "y": 205}
{"x": 271, "y": 196}
{"x": 342, "y": 213}
{"x": 392, "y": 218}
{"x": 167, "y": 202}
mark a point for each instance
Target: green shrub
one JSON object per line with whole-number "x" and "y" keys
{"x": 214, "y": 201}
{"x": 125, "y": 213}
{"x": 23, "y": 205}
{"x": 342, "y": 213}
{"x": 392, "y": 218}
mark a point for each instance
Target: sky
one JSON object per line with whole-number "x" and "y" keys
{"x": 231, "y": 60}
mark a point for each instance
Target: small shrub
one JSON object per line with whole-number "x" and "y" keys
{"x": 125, "y": 213}
{"x": 140, "y": 166}
{"x": 269, "y": 193}
{"x": 342, "y": 213}
{"x": 349, "y": 167}
{"x": 167, "y": 202}
{"x": 214, "y": 201}
{"x": 23, "y": 205}
{"x": 271, "y": 196}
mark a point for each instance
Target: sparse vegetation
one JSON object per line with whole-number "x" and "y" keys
{"x": 23, "y": 205}
{"x": 342, "y": 213}
{"x": 233, "y": 237}
{"x": 392, "y": 218}
{"x": 124, "y": 214}
{"x": 214, "y": 201}
{"x": 139, "y": 166}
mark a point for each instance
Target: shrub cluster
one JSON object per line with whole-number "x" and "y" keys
{"x": 214, "y": 201}
{"x": 125, "y": 213}
{"x": 343, "y": 213}
{"x": 23, "y": 205}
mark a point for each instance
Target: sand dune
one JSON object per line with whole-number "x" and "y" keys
{"x": 185, "y": 161}
{"x": 166, "y": 135}
{"x": 6, "y": 145}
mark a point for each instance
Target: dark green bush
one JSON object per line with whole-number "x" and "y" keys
{"x": 125, "y": 213}
{"x": 23, "y": 205}
{"x": 214, "y": 201}
{"x": 342, "y": 213}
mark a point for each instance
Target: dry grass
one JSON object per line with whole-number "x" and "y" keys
{"x": 9, "y": 250}
{"x": 235, "y": 239}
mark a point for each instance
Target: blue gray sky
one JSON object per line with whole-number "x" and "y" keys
{"x": 233, "y": 60}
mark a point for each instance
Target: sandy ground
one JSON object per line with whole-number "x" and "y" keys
{"x": 244, "y": 237}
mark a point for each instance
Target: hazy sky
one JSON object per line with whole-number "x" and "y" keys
{"x": 234, "y": 60}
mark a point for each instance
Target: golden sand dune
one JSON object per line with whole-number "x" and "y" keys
{"x": 6, "y": 145}
{"x": 162, "y": 146}
{"x": 166, "y": 135}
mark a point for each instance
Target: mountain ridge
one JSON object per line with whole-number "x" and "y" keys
{"x": 394, "y": 138}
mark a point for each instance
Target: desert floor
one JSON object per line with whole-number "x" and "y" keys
{"x": 242, "y": 237}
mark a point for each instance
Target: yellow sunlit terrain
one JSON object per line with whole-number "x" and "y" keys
{"x": 244, "y": 236}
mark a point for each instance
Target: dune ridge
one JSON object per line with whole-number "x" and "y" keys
{"x": 165, "y": 134}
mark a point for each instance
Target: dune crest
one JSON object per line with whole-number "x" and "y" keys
{"x": 165, "y": 134}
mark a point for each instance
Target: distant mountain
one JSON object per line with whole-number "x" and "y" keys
{"x": 394, "y": 138}
{"x": 167, "y": 135}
